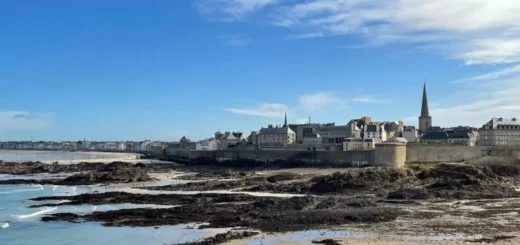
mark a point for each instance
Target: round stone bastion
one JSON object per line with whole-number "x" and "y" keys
{"x": 391, "y": 153}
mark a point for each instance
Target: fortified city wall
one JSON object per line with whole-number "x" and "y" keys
{"x": 383, "y": 155}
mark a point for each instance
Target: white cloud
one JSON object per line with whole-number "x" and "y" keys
{"x": 231, "y": 10}
{"x": 492, "y": 97}
{"x": 319, "y": 100}
{"x": 368, "y": 100}
{"x": 22, "y": 120}
{"x": 493, "y": 75}
{"x": 235, "y": 40}
{"x": 304, "y": 36}
{"x": 265, "y": 110}
{"x": 475, "y": 31}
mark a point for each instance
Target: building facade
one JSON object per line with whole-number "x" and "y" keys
{"x": 208, "y": 145}
{"x": 410, "y": 134}
{"x": 500, "y": 132}
{"x": 273, "y": 138}
{"x": 358, "y": 144}
{"x": 374, "y": 131}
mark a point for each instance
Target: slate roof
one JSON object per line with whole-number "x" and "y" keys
{"x": 276, "y": 131}
{"x": 344, "y": 128}
{"x": 495, "y": 122}
{"x": 435, "y": 136}
{"x": 313, "y": 135}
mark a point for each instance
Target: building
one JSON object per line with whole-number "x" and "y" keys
{"x": 393, "y": 129}
{"x": 500, "y": 132}
{"x": 252, "y": 138}
{"x": 272, "y": 138}
{"x": 425, "y": 120}
{"x": 186, "y": 144}
{"x": 232, "y": 139}
{"x": 312, "y": 139}
{"x": 121, "y": 146}
{"x": 276, "y": 138}
{"x": 335, "y": 135}
{"x": 208, "y": 145}
{"x": 374, "y": 131}
{"x": 304, "y": 129}
{"x": 410, "y": 134}
{"x": 435, "y": 137}
{"x": 358, "y": 144}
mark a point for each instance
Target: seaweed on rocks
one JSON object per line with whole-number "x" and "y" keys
{"x": 222, "y": 238}
{"x": 361, "y": 179}
{"x": 262, "y": 213}
{"x": 327, "y": 242}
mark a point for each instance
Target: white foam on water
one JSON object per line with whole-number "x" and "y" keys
{"x": 54, "y": 187}
{"x": 4, "y": 225}
{"x": 94, "y": 208}
{"x": 36, "y": 213}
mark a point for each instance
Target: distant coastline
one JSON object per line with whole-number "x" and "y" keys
{"x": 61, "y": 156}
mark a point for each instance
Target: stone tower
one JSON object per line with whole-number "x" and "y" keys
{"x": 425, "y": 120}
{"x": 285, "y": 122}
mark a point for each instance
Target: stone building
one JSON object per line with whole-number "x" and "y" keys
{"x": 500, "y": 132}
{"x": 358, "y": 144}
{"x": 435, "y": 137}
{"x": 276, "y": 138}
{"x": 425, "y": 120}
{"x": 232, "y": 139}
{"x": 410, "y": 134}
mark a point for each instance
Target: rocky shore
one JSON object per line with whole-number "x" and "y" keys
{"x": 421, "y": 198}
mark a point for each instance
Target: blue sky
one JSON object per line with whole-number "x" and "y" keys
{"x": 158, "y": 69}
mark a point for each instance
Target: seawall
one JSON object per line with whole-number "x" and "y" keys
{"x": 381, "y": 156}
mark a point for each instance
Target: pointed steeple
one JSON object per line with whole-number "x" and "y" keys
{"x": 285, "y": 122}
{"x": 425, "y": 112}
{"x": 425, "y": 120}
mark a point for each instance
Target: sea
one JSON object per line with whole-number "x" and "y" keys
{"x": 21, "y": 225}
{"x": 60, "y": 156}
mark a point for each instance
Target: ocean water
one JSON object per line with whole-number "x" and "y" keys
{"x": 20, "y": 225}
{"x": 10, "y": 155}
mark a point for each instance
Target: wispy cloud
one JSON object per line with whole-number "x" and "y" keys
{"x": 493, "y": 75}
{"x": 495, "y": 95}
{"x": 22, "y": 120}
{"x": 304, "y": 36}
{"x": 368, "y": 100}
{"x": 234, "y": 40}
{"x": 319, "y": 100}
{"x": 231, "y": 10}
{"x": 265, "y": 110}
{"x": 474, "y": 31}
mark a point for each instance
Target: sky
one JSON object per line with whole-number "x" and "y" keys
{"x": 162, "y": 69}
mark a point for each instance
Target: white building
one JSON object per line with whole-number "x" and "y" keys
{"x": 375, "y": 131}
{"x": 208, "y": 145}
{"x": 500, "y": 132}
{"x": 410, "y": 134}
{"x": 275, "y": 138}
{"x": 121, "y": 146}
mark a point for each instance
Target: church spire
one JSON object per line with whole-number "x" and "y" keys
{"x": 425, "y": 120}
{"x": 425, "y": 112}
{"x": 285, "y": 122}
